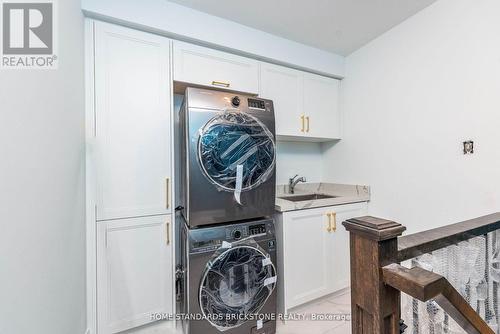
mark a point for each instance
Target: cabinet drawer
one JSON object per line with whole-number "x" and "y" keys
{"x": 203, "y": 66}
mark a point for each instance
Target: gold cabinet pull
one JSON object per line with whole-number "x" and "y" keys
{"x": 167, "y": 232}
{"x": 167, "y": 192}
{"x": 334, "y": 215}
{"x": 307, "y": 122}
{"x": 302, "y": 118}
{"x": 329, "y": 228}
{"x": 221, "y": 84}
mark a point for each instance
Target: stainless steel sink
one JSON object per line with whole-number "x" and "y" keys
{"x": 309, "y": 197}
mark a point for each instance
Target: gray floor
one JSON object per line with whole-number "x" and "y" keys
{"x": 335, "y": 305}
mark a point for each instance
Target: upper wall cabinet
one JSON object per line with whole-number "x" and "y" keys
{"x": 321, "y": 106}
{"x": 132, "y": 123}
{"x": 285, "y": 87}
{"x": 305, "y": 104}
{"x": 207, "y": 67}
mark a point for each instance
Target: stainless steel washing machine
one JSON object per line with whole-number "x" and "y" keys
{"x": 227, "y": 279}
{"x": 228, "y": 155}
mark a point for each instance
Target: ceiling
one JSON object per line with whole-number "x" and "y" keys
{"x": 339, "y": 26}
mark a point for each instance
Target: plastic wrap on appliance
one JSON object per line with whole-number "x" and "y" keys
{"x": 233, "y": 138}
{"x": 239, "y": 184}
{"x": 236, "y": 284}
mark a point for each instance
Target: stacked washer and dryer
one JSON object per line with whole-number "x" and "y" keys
{"x": 227, "y": 274}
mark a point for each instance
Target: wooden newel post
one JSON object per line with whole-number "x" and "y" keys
{"x": 375, "y": 307}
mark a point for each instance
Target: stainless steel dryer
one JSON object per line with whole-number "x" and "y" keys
{"x": 227, "y": 157}
{"x": 227, "y": 279}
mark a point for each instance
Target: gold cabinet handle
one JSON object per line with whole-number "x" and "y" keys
{"x": 307, "y": 120}
{"x": 221, "y": 84}
{"x": 334, "y": 215}
{"x": 329, "y": 215}
{"x": 167, "y": 232}
{"x": 302, "y": 118}
{"x": 167, "y": 192}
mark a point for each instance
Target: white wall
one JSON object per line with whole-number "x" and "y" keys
{"x": 410, "y": 98}
{"x": 173, "y": 20}
{"x": 293, "y": 158}
{"x": 42, "y": 262}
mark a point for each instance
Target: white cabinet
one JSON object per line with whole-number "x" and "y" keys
{"x": 339, "y": 242}
{"x": 306, "y": 246}
{"x": 285, "y": 87}
{"x": 321, "y": 106}
{"x": 134, "y": 272}
{"x": 313, "y": 253}
{"x": 129, "y": 176}
{"x": 207, "y": 67}
{"x": 306, "y": 105}
{"x": 132, "y": 123}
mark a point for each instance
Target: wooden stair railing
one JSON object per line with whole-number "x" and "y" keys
{"x": 375, "y": 291}
{"x": 413, "y": 245}
{"x": 425, "y": 285}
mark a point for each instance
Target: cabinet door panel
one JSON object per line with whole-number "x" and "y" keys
{"x": 203, "y": 66}
{"x": 133, "y": 140}
{"x": 134, "y": 272}
{"x": 339, "y": 244}
{"x": 321, "y": 104}
{"x": 307, "y": 251}
{"x": 284, "y": 87}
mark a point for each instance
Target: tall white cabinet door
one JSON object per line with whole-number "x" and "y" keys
{"x": 134, "y": 258}
{"x": 203, "y": 66}
{"x": 339, "y": 261}
{"x": 132, "y": 122}
{"x": 284, "y": 86}
{"x": 306, "y": 252}
{"x": 321, "y": 103}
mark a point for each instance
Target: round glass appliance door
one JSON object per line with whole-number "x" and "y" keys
{"x": 236, "y": 284}
{"x": 235, "y": 138}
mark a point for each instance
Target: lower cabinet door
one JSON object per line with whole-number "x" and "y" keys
{"x": 134, "y": 272}
{"x": 307, "y": 269}
{"x": 339, "y": 260}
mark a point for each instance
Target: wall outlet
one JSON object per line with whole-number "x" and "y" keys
{"x": 468, "y": 147}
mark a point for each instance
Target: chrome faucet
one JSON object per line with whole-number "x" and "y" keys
{"x": 292, "y": 182}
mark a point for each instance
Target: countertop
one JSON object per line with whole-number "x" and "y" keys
{"x": 344, "y": 194}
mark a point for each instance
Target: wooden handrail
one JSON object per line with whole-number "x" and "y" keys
{"x": 413, "y": 245}
{"x": 425, "y": 285}
{"x": 377, "y": 279}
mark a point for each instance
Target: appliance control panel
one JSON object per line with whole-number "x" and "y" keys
{"x": 239, "y": 233}
{"x": 257, "y": 104}
{"x": 257, "y": 229}
{"x": 236, "y": 233}
{"x": 211, "y": 239}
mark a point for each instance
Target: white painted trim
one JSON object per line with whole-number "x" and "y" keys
{"x": 172, "y": 174}
{"x": 90, "y": 200}
{"x": 189, "y": 25}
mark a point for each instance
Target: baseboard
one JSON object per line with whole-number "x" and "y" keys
{"x": 340, "y": 292}
{"x": 337, "y": 293}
